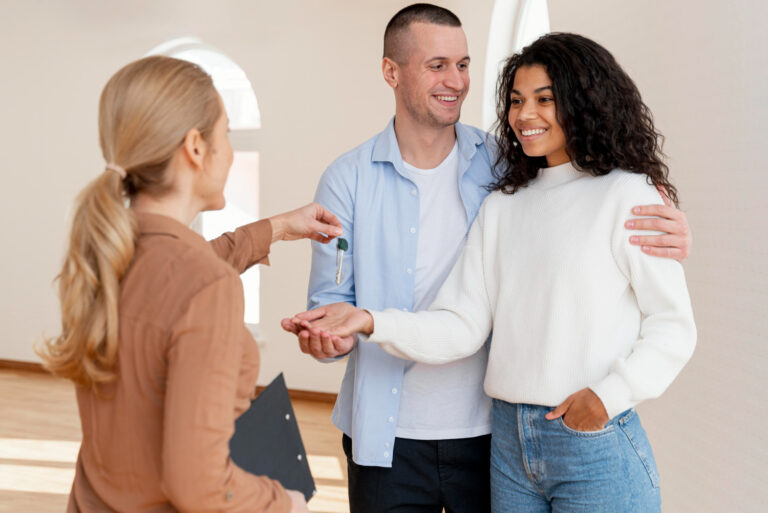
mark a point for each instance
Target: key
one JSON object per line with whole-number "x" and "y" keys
{"x": 341, "y": 246}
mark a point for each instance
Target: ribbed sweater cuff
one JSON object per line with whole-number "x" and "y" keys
{"x": 615, "y": 394}
{"x": 384, "y": 329}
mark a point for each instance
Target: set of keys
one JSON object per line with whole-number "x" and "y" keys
{"x": 341, "y": 246}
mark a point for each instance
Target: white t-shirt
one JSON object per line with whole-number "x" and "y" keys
{"x": 441, "y": 401}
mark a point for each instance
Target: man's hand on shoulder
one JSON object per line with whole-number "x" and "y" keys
{"x": 674, "y": 243}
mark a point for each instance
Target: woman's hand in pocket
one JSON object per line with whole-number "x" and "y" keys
{"x": 582, "y": 411}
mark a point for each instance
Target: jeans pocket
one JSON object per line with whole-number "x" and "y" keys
{"x": 584, "y": 434}
{"x": 633, "y": 430}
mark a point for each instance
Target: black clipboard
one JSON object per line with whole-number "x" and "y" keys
{"x": 267, "y": 441}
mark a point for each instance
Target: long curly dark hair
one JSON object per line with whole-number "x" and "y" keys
{"x": 606, "y": 124}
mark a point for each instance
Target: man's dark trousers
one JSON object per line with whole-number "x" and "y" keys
{"x": 426, "y": 476}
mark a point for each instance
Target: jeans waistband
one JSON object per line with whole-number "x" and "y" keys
{"x": 537, "y": 410}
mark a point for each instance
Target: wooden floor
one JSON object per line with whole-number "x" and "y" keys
{"x": 40, "y": 436}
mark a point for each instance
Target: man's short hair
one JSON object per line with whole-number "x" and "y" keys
{"x": 395, "y": 33}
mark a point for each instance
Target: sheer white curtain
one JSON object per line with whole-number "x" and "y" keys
{"x": 514, "y": 24}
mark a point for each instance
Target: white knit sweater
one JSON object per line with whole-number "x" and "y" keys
{"x": 571, "y": 303}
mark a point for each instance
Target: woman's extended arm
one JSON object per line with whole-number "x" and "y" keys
{"x": 455, "y": 326}
{"x": 249, "y": 244}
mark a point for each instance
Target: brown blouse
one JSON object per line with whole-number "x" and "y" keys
{"x": 157, "y": 439}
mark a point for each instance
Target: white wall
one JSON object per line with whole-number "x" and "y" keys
{"x": 701, "y": 67}
{"x": 315, "y": 66}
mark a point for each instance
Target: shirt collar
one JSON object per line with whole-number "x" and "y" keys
{"x": 386, "y": 149}
{"x": 157, "y": 224}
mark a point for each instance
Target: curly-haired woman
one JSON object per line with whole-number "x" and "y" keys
{"x": 585, "y": 326}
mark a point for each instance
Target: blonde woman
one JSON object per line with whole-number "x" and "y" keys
{"x": 152, "y": 314}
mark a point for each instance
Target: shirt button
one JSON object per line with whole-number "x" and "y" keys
{"x": 386, "y": 444}
{"x": 394, "y": 391}
{"x": 386, "y": 454}
{"x": 391, "y": 419}
{"x": 413, "y": 230}
{"x": 414, "y": 192}
{"x": 409, "y": 270}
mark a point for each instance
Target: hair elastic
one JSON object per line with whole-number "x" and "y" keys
{"x": 117, "y": 169}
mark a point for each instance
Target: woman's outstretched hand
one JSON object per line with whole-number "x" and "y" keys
{"x": 329, "y": 331}
{"x": 582, "y": 411}
{"x": 309, "y": 222}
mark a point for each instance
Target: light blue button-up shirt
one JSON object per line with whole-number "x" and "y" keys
{"x": 378, "y": 207}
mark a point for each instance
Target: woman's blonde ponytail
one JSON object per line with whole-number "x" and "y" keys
{"x": 101, "y": 247}
{"x": 146, "y": 109}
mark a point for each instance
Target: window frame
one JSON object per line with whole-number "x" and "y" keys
{"x": 241, "y": 139}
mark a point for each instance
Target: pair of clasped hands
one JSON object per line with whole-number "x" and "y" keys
{"x": 330, "y": 331}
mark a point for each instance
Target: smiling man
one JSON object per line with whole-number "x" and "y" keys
{"x": 417, "y": 436}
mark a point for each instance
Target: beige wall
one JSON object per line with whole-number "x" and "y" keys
{"x": 701, "y": 67}
{"x": 315, "y": 66}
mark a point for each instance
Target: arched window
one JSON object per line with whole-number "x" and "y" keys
{"x": 242, "y": 189}
{"x": 514, "y": 24}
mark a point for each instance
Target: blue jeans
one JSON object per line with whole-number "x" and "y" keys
{"x": 543, "y": 466}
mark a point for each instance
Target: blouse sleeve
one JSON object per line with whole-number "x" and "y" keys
{"x": 246, "y": 246}
{"x": 203, "y": 359}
